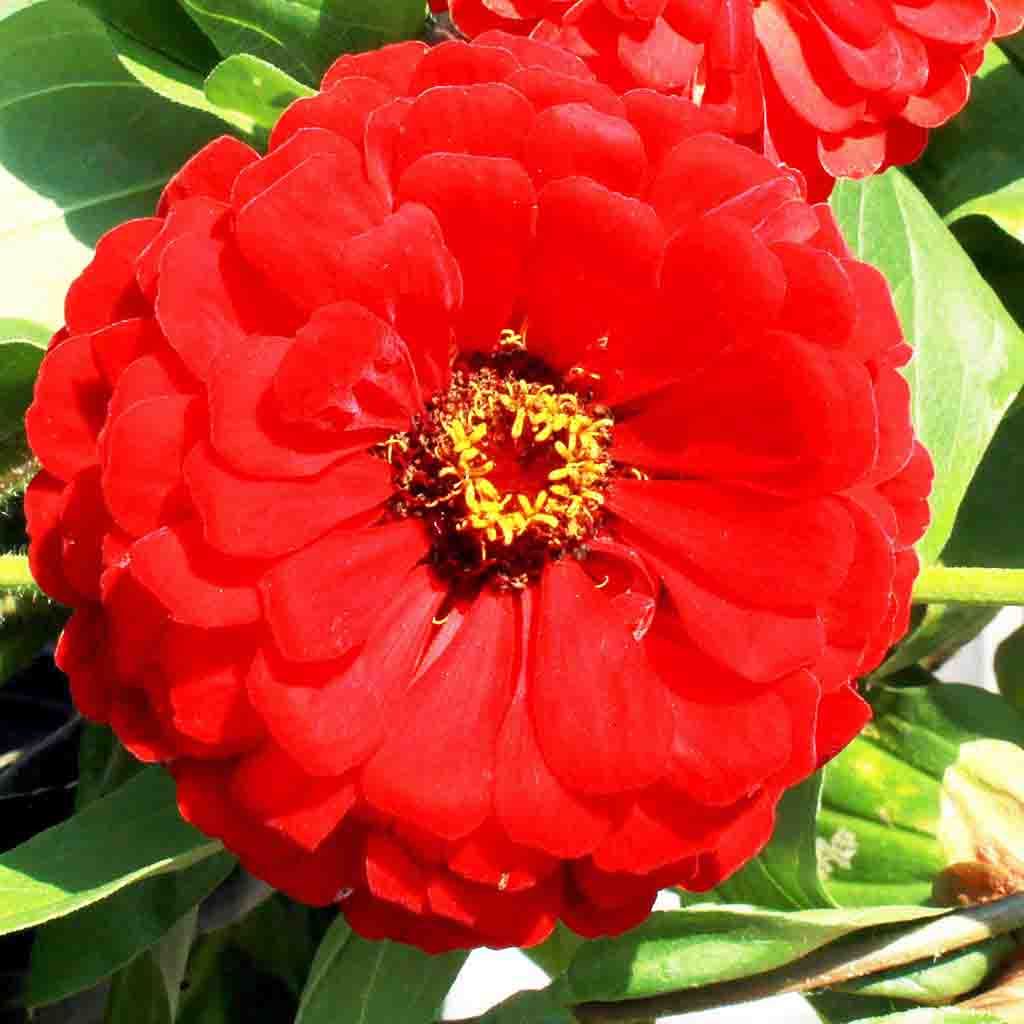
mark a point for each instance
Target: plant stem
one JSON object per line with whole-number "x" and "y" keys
{"x": 831, "y": 966}
{"x": 941, "y": 585}
{"x": 14, "y": 572}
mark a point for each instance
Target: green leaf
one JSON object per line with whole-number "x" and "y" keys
{"x": 147, "y": 991}
{"x": 935, "y": 1017}
{"x": 76, "y": 952}
{"x": 174, "y": 82}
{"x": 24, "y": 330}
{"x": 683, "y": 949}
{"x": 1009, "y": 665}
{"x": 985, "y": 535}
{"x": 929, "y": 779}
{"x": 103, "y": 764}
{"x": 19, "y": 364}
{"x": 254, "y": 88}
{"x": 942, "y": 629}
{"x": 840, "y": 1008}
{"x": 785, "y": 874}
{"x": 160, "y": 25}
{"x": 374, "y": 982}
{"x": 974, "y": 164}
{"x": 545, "y": 1006}
{"x": 132, "y": 834}
{"x": 969, "y": 353}
{"x": 555, "y": 953}
{"x": 304, "y": 37}
{"x": 941, "y": 981}
{"x": 83, "y": 146}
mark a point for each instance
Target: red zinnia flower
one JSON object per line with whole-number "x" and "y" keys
{"x": 483, "y": 501}
{"x": 840, "y": 88}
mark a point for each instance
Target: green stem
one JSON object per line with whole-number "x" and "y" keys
{"x": 14, "y": 572}
{"x": 941, "y": 585}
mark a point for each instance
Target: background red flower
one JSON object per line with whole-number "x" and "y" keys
{"x": 838, "y": 89}
{"x": 484, "y": 501}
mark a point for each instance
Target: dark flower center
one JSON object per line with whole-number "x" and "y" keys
{"x": 507, "y": 467}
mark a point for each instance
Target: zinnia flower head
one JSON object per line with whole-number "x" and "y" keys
{"x": 839, "y": 88}
{"x": 484, "y": 500}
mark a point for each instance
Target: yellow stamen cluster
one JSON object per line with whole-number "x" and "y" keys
{"x": 517, "y": 416}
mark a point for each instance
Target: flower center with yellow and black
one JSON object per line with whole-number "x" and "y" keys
{"x": 485, "y": 502}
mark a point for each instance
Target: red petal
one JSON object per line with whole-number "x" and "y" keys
{"x": 68, "y": 409}
{"x": 343, "y": 109}
{"x": 659, "y": 58}
{"x": 455, "y": 63}
{"x": 574, "y": 139}
{"x": 404, "y": 272}
{"x": 532, "y": 805}
{"x": 105, "y": 291}
{"x": 269, "y": 518}
{"x": 766, "y": 551}
{"x": 211, "y": 173}
{"x": 276, "y": 790}
{"x": 324, "y": 201}
{"x": 116, "y": 347}
{"x": 437, "y": 765}
{"x": 393, "y": 875}
{"x": 545, "y": 89}
{"x": 479, "y": 120}
{"x": 243, "y": 428}
{"x": 593, "y": 267}
{"x": 78, "y": 655}
{"x": 143, "y": 483}
{"x": 532, "y": 53}
{"x": 205, "y": 673}
{"x": 43, "y": 502}
{"x": 393, "y": 66}
{"x": 190, "y": 216}
{"x": 322, "y": 601}
{"x": 197, "y": 586}
{"x": 157, "y": 375}
{"x": 348, "y": 371}
{"x": 333, "y": 717}
{"x": 486, "y": 208}
{"x": 603, "y": 718}
{"x": 841, "y": 717}
{"x": 488, "y": 857}
{"x": 84, "y": 522}
{"x": 701, "y": 173}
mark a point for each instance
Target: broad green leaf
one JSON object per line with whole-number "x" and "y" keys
{"x": 785, "y": 874}
{"x": 130, "y": 835}
{"x": 840, "y": 1008}
{"x": 160, "y": 25}
{"x": 974, "y": 164}
{"x": 277, "y": 936}
{"x": 683, "y": 949}
{"x": 148, "y": 990}
{"x": 103, "y": 764}
{"x": 1009, "y": 664}
{"x": 19, "y": 364}
{"x": 929, "y": 781}
{"x": 175, "y": 82}
{"x": 968, "y": 352}
{"x": 546, "y": 1006}
{"x": 305, "y": 36}
{"x": 935, "y": 1017}
{"x": 83, "y": 146}
{"x": 76, "y": 952}
{"x": 985, "y": 535}
{"x": 941, "y": 981}
{"x": 25, "y": 330}
{"x": 254, "y": 88}
{"x": 942, "y": 629}
{"x": 374, "y": 982}
{"x": 555, "y": 953}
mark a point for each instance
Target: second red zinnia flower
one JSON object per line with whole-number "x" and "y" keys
{"x": 485, "y": 500}
{"x": 835, "y": 88}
